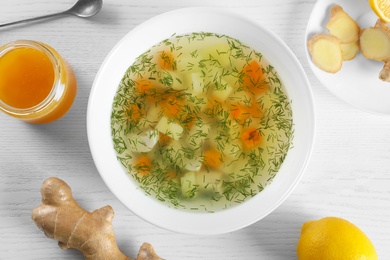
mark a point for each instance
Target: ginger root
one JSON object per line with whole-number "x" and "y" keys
{"x": 61, "y": 218}
{"x": 375, "y": 42}
{"x": 349, "y": 50}
{"x": 375, "y": 45}
{"x": 342, "y": 26}
{"x": 348, "y": 39}
{"x": 326, "y": 52}
{"x": 384, "y": 74}
{"x": 346, "y": 29}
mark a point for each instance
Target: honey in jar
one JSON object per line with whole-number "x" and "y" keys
{"x": 36, "y": 84}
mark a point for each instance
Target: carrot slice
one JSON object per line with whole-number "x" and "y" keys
{"x": 213, "y": 107}
{"x": 212, "y": 158}
{"x": 254, "y": 79}
{"x": 142, "y": 165}
{"x": 170, "y": 175}
{"x": 143, "y": 86}
{"x": 167, "y": 61}
{"x": 239, "y": 113}
{"x": 171, "y": 105}
{"x": 134, "y": 112}
{"x": 245, "y": 114}
{"x": 251, "y": 138}
{"x": 164, "y": 139}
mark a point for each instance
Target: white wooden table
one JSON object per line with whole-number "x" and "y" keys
{"x": 348, "y": 174}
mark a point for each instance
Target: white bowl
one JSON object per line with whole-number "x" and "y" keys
{"x": 141, "y": 39}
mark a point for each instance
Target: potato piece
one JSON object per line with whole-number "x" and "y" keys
{"x": 349, "y": 50}
{"x": 210, "y": 181}
{"x": 154, "y": 113}
{"x": 342, "y": 26}
{"x": 178, "y": 82}
{"x": 197, "y": 82}
{"x": 375, "y": 43}
{"x": 187, "y": 64}
{"x": 145, "y": 141}
{"x": 326, "y": 52}
{"x": 169, "y": 128}
{"x": 221, "y": 52}
{"x": 198, "y": 134}
{"x": 189, "y": 188}
{"x": 194, "y": 164}
{"x": 222, "y": 90}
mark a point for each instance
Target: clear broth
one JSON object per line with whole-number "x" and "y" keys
{"x": 201, "y": 122}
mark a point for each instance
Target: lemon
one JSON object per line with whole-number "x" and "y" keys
{"x": 334, "y": 238}
{"x": 381, "y": 8}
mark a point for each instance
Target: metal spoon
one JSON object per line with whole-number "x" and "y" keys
{"x": 82, "y": 8}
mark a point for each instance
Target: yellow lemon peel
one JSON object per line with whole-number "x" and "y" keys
{"x": 381, "y": 9}
{"x": 334, "y": 238}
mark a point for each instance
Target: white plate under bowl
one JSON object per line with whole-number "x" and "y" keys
{"x": 357, "y": 83}
{"x": 139, "y": 40}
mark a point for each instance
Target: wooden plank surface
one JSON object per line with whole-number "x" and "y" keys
{"x": 348, "y": 174}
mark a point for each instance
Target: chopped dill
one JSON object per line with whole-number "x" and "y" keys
{"x": 228, "y": 125}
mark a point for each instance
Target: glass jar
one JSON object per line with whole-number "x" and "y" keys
{"x": 36, "y": 84}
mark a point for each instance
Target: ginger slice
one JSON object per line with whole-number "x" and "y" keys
{"x": 342, "y": 26}
{"x": 375, "y": 45}
{"x": 61, "y": 218}
{"x": 349, "y": 50}
{"x": 326, "y": 52}
{"x": 385, "y": 72}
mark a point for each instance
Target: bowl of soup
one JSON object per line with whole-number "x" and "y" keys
{"x": 201, "y": 127}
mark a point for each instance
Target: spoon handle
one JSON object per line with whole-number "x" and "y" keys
{"x": 33, "y": 19}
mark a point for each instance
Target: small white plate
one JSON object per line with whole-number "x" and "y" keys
{"x": 357, "y": 82}
{"x": 184, "y": 21}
